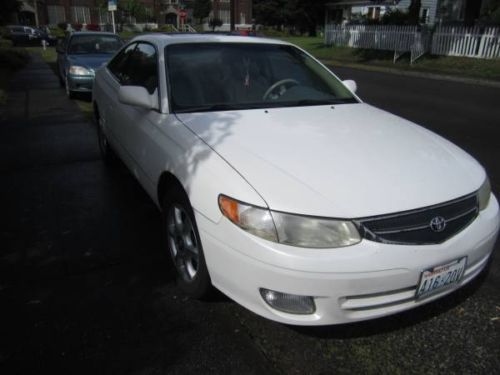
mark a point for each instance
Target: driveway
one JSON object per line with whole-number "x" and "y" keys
{"x": 86, "y": 287}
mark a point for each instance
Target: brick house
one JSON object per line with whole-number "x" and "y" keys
{"x": 53, "y": 12}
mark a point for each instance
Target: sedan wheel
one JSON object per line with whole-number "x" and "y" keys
{"x": 184, "y": 245}
{"x": 70, "y": 94}
{"x": 107, "y": 153}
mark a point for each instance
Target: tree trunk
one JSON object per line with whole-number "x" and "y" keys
{"x": 414, "y": 12}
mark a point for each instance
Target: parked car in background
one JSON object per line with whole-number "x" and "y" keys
{"x": 281, "y": 188}
{"x": 27, "y": 35}
{"x": 79, "y": 54}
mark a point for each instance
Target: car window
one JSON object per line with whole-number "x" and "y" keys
{"x": 137, "y": 66}
{"x": 94, "y": 44}
{"x": 118, "y": 66}
{"x": 226, "y": 76}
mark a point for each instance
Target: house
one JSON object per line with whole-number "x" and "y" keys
{"x": 431, "y": 12}
{"x": 174, "y": 12}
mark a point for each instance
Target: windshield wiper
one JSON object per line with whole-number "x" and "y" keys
{"x": 305, "y": 102}
{"x": 212, "y": 108}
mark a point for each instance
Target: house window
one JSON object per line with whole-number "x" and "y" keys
{"x": 103, "y": 16}
{"x": 425, "y": 15}
{"x": 80, "y": 14}
{"x": 56, "y": 14}
{"x": 374, "y": 13}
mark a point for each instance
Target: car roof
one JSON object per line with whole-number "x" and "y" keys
{"x": 92, "y": 33}
{"x": 167, "y": 39}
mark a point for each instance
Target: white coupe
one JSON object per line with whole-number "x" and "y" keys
{"x": 285, "y": 191}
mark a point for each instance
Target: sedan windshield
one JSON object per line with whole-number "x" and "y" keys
{"x": 231, "y": 76}
{"x": 94, "y": 44}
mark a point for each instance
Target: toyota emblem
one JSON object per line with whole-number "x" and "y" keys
{"x": 438, "y": 224}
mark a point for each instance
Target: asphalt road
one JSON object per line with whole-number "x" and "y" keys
{"x": 86, "y": 287}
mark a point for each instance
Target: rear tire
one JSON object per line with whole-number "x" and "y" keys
{"x": 107, "y": 153}
{"x": 184, "y": 245}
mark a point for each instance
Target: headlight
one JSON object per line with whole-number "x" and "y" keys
{"x": 483, "y": 194}
{"x": 289, "y": 229}
{"x": 80, "y": 71}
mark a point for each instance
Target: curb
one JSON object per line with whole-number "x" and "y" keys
{"x": 416, "y": 74}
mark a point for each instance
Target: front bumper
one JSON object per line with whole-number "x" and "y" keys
{"x": 364, "y": 281}
{"x": 80, "y": 83}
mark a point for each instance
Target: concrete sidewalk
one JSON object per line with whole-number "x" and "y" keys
{"x": 86, "y": 285}
{"x": 34, "y": 94}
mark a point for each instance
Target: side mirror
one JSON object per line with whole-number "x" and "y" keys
{"x": 350, "y": 84}
{"x": 137, "y": 96}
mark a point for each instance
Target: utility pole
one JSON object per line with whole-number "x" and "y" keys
{"x": 35, "y": 3}
{"x": 233, "y": 14}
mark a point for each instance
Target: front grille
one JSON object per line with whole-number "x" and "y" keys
{"x": 414, "y": 227}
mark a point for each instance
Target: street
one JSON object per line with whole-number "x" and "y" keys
{"x": 87, "y": 288}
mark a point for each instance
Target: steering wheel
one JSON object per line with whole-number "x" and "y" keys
{"x": 282, "y": 83}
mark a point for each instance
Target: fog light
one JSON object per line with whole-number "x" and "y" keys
{"x": 289, "y": 303}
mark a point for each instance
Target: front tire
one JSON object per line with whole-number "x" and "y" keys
{"x": 184, "y": 245}
{"x": 70, "y": 94}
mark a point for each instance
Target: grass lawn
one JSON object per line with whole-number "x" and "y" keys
{"x": 11, "y": 59}
{"x": 459, "y": 66}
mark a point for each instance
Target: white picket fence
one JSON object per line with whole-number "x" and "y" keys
{"x": 449, "y": 41}
{"x": 469, "y": 42}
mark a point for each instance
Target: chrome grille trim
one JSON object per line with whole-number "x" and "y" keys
{"x": 413, "y": 227}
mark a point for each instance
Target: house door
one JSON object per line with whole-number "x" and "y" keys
{"x": 171, "y": 19}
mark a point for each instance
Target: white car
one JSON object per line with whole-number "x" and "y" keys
{"x": 285, "y": 191}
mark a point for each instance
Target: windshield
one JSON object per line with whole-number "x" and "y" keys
{"x": 94, "y": 44}
{"x": 229, "y": 76}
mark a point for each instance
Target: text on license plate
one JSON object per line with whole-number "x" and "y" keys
{"x": 440, "y": 277}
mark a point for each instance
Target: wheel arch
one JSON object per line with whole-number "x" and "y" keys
{"x": 166, "y": 182}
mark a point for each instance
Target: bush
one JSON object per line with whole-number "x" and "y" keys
{"x": 273, "y": 33}
{"x": 167, "y": 28}
{"x": 63, "y": 26}
{"x": 57, "y": 32}
{"x": 214, "y": 23}
{"x": 93, "y": 27}
{"x": 11, "y": 58}
{"x": 5, "y": 43}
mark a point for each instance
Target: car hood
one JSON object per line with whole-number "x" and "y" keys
{"x": 347, "y": 161}
{"x": 89, "y": 61}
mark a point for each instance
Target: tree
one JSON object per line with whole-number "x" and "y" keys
{"x": 269, "y": 12}
{"x": 214, "y": 23}
{"x": 414, "y": 12}
{"x": 132, "y": 8}
{"x": 9, "y": 7}
{"x": 490, "y": 14}
{"x": 305, "y": 15}
{"x": 201, "y": 9}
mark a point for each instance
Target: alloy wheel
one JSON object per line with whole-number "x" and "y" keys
{"x": 182, "y": 242}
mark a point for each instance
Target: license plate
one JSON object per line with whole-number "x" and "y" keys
{"x": 441, "y": 277}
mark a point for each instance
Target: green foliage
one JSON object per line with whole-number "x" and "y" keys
{"x": 5, "y": 43}
{"x": 214, "y": 23}
{"x": 302, "y": 16}
{"x": 57, "y": 32}
{"x": 490, "y": 14}
{"x": 269, "y": 12}
{"x": 201, "y": 9}
{"x": 167, "y": 28}
{"x": 13, "y": 58}
{"x": 133, "y": 8}
{"x": 395, "y": 17}
{"x": 8, "y": 8}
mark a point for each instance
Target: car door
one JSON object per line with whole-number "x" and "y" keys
{"x": 134, "y": 128}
